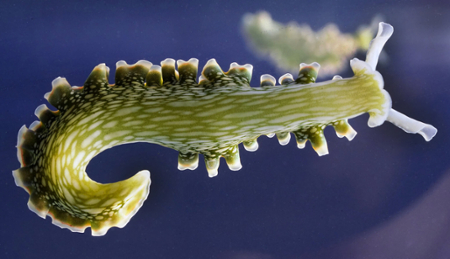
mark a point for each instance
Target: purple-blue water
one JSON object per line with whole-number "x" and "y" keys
{"x": 383, "y": 195}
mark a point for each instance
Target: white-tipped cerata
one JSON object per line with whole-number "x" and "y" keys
{"x": 269, "y": 79}
{"x": 191, "y": 61}
{"x": 121, "y": 63}
{"x": 59, "y": 81}
{"x": 287, "y": 76}
{"x": 249, "y": 68}
{"x": 168, "y": 62}
{"x": 234, "y": 65}
{"x": 155, "y": 68}
{"x": 144, "y": 63}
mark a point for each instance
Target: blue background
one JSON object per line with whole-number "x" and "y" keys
{"x": 383, "y": 195}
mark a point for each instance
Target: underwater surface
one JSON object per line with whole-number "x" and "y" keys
{"x": 382, "y": 195}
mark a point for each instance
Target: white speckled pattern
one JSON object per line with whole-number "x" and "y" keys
{"x": 167, "y": 107}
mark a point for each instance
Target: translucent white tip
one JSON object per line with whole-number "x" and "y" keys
{"x": 376, "y": 45}
{"x": 410, "y": 125}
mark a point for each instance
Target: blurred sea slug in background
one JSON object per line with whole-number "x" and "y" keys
{"x": 210, "y": 116}
{"x": 286, "y": 45}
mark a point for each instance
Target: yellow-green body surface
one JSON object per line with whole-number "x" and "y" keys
{"x": 160, "y": 105}
{"x": 285, "y": 45}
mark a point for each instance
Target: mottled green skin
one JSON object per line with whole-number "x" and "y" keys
{"x": 210, "y": 118}
{"x": 205, "y": 119}
{"x": 279, "y": 43}
{"x": 167, "y": 107}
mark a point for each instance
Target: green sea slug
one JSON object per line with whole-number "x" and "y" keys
{"x": 288, "y": 44}
{"x": 211, "y": 116}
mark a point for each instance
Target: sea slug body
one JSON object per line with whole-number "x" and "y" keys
{"x": 287, "y": 44}
{"x": 162, "y": 105}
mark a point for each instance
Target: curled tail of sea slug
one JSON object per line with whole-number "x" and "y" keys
{"x": 211, "y": 116}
